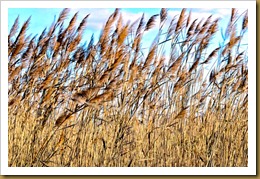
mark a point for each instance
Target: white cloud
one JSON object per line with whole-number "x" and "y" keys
{"x": 97, "y": 18}
{"x": 227, "y": 12}
{"x": 131, "y": 16}
{"x": 195, "y": 14}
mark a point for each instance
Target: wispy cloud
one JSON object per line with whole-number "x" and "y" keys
{"x": 97, "y": 17}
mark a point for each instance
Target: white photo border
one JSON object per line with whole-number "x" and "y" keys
{"x": 250, "y": 170}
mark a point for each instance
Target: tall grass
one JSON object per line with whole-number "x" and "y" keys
{"x": 110, "y": 104}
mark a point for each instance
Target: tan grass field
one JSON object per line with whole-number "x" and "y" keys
{"x": 108, "y": 104}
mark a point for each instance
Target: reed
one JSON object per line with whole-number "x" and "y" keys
{"x": 108, "y": 103}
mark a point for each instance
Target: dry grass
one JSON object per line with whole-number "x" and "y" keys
{"x": 107, "y": 104}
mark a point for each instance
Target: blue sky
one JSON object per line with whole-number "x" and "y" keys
{"x": 43, "y": 17}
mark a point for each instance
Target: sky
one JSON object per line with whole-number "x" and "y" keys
{"x": 43, "y": 17}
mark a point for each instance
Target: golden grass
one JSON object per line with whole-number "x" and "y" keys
{"x": 108, "y": 104}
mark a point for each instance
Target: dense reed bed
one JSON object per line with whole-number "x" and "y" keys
{"x": 108, "y": 103}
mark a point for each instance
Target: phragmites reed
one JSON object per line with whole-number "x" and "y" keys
{"x": 122, "y": 100}
{"x": 14, "y": 29}
{"x": 63, "y": 15}
{"x": 245, "y": 21}
{"x": 83, "y": 24}
{"x": 151, "y": 22}
{"x": 176, "y": 64}
{"x": 231, "y": 22}
{"x": 62, "y": 118}
{"x": 163, "y": 15}
{"x": 181, "y": 20}
{"x": 188, "y": 19}
{"x": 72, "y": 22}
{"x": 211, "y": 55}
{"x": 140, "y": 26}
{"x": 150, "y": 57}
{"x": 123, "y": 35}
{"x": 182, "y": 113}
{"x": 21, "y": 36}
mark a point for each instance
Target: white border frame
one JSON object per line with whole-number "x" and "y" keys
{"x": 250, "y": 170}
